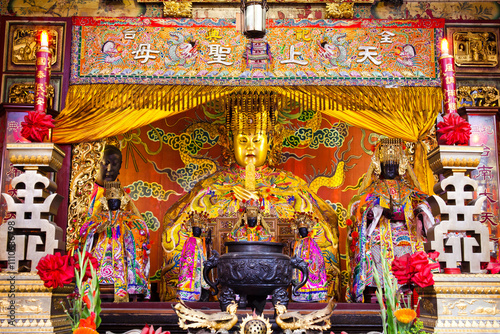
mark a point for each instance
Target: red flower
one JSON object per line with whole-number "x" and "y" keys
{"x": 93, "y": 262}
{"x": 433, "y": 255}
{"x": 418, "y": 261}
{"x": 414, "y": 269}
{"x": 401, "y": 269}
{"x": 493, "y": 267}
{"x": 454, "y": 130}
{"x": 36, "y": 126}
{"x": 55, "y": 270}
{"x": 86, "y": 300}
{"x": 348, "y": 222}
{"x": 423, "y": 278}
{"x": 150, "y": 330}
{"x": 355, "y": 234}
{"x": 89, "y": 322}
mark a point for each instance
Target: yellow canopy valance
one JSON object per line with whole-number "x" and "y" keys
{"x": 98, "y": 111}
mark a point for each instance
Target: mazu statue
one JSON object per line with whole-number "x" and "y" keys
{"x": 109, "y": 169}
{"x": 249, "y": 198}
{"x": 389, "y": 213}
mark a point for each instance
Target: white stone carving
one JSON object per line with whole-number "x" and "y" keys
{"x": 458, "y": 212}
{"x": 31, "y": 235}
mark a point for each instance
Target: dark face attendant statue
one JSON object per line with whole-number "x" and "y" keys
{"x": 303, "y": 232}
{"x": 390, "y": 170}
{"x": 113, "y": 194}
{"x": 109, "y": 167}
{"x": 252, "y": 216}
{"x": 196, "y": 231}
{"x": 114, "y": 204}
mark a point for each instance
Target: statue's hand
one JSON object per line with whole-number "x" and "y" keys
{"x": 243, "y": 194}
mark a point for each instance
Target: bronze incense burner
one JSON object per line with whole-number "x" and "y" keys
{"x": 254, "y": 270}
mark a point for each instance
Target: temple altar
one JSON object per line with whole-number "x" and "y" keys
{"x": 161, "y": 90}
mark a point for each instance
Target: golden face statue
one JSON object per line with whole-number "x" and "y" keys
{"x": 250, "y": 147}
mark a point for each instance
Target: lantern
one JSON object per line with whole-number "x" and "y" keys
{"x": 254, "y": 17}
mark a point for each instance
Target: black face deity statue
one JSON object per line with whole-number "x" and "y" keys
{"x": 303, "y": 232}
{"x": 196, "y": 231}
{"x": 114, "y": 204}
{"x": 390, "y": 170}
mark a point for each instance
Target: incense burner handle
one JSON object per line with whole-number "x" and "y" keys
{"x": 208, "y": 265}
{"x": 300, "y": 264}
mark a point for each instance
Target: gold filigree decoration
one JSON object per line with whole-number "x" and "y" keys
{"x": 475, "y": 48}
{"x": 25, "y": 93}
{"x": 177, "y": 9}
{"x": 467, "y": 290}
{"x": 428, "y": 306}
{"x": 36, "y": 160}
{"x": 84, "y": 166}
{"x": 343, "y": 10}
{"x": 455, "y": 162}
{"x": 24, "y": 45}
{"x": 475, "y": 96}
{"x": 251, "y": 322}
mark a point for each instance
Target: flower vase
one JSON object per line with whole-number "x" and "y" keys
{"x": 47, "y": 157}
{"x": 85, "y": 330}
{"x": 448, "y": 159}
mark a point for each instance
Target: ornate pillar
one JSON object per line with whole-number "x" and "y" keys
{"x": 468, "y": 301}
{"x": 30, "y": 233}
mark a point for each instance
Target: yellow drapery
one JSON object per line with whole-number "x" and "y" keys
{"x": 101, "y": 110}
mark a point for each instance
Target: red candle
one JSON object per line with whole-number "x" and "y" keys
{"x": 42, "y": 77}
{"x": 448, "y": 78}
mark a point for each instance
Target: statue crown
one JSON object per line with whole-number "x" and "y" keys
{"x": 197, "y": 219}
{"x": 391, "y": 150}
{"x": 113, "y": 190}
{"x": 303, "y": 219}
{"x": 251, "y": 111}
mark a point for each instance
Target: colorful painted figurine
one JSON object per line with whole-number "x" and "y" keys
{"x": 390, "y": 212}
{"x": 192, "y": 286}
{"x": 251, "y": 226}
{"x": 119, "y": 240}
{"x": 305, "y": 247}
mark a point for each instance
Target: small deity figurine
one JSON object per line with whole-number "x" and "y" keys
{"x": 305, "y": 247}
{"x": 250, "y": 226}
{"x": 119, "y": 240}
{"x": 192, "y": 286}
{"x": 390, "y": 212}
